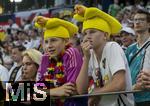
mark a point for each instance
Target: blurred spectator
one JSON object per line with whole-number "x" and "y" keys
{"x": 127, "y": 37}
{"x": 114, "y": 8}
{"x": 119, "y": 16}
{"x": 144, "y": 76}
{"x": 3, "y": 79}
{"x": 3, "y": 75}
{"x": 126, "y": 17}
{"x": 23, "y": 39}
{"x": 34, "y": 38}
{"x": 116, "y": 38}
{"x": 31, "y": 61}
{"x": 66, "y": 15}
{"x": 141, "y": 27}
{"x": 5, "y": 54}
{"x": 75, "y": 42}
{"x": 16, "y": 69}
{"x": 13, "y": 27}
{"x": 148, "y": 6}
{"x": 30, "y": 65}
{"x": 27, "y": 26}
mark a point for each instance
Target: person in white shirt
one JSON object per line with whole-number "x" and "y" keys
{"x": 3, "y": 80}
{"x": 4, "y": 76}
{"x": 144, "y": 76}
{"x": 16, "y": 69}
{"x": 104, "y": 61}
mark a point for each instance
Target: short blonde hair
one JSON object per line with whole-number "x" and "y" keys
{"x": 34, "y": 54}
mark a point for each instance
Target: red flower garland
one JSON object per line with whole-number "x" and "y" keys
{"x": 55, "y": 71}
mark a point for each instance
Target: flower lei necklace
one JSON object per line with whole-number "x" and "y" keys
{"x": 55, "y": 71}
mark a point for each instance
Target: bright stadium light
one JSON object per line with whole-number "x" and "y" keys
{"x": 17, "y": 1}
{"x": 14, "y": 3}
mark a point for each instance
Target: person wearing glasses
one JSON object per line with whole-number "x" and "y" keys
{"x": 141, "y": 27}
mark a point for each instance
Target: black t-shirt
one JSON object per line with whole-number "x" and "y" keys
{"x": 2, "y": 94}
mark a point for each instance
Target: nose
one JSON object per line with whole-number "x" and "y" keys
{"x": 88, "y": 34}
{"x": 23, "y": 74}
{"x": 88, "y": 37}
{"x": 137, "y": 22}
{"x": 49, "y": 44}
{"x": 24, "y": 67}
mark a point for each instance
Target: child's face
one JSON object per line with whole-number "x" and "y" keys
{"x": 95, "y": 37}
{"x": 54, "y": 46}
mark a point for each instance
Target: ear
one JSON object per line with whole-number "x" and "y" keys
{"x": 106, "y": 35}
{"x": 66, "y": 41}
{"x": 149, "y": 25}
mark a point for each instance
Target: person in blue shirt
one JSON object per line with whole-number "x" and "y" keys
{"x": 141, "y": 27}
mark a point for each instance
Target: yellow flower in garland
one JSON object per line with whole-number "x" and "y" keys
{"x": 55, "y": 71}
{"x": 59, "y": 64}
{"x": 59, "y": 75}
{"x": 51, "y": 69}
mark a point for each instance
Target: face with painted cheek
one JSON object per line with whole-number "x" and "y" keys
{"x": 54, "y": 46}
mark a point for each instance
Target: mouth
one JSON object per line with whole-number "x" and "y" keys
{"x": 124, "y": 40}
{"x": 52, "y": 51}
{"x": 137, "y": 27}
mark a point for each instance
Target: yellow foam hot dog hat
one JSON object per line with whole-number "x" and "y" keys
{"x": 55, "y": 27}
{"x": 94, "y": 18}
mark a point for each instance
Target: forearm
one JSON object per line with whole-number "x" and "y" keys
{"x": 82, "y": 79}
{"x": 53, "y": 92}
{"x": 117, "y": 84}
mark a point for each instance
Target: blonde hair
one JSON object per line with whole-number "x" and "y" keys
{"x": 34, "y": 54}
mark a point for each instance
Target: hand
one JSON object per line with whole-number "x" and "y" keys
{"x": 144, "y": 79}
{"x": 41, "y": 20}
{"x": 86, "y": 46}
{"x": 137, "y": 86}
{"x": 93, "y": 101}
{"x": 67, "y": 89}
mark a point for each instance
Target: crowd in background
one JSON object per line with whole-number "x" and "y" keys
{"x": 30, "y": 39}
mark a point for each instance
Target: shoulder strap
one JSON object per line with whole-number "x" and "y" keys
{"x": 14, "y": 73}
{"x": 143, "y": 47}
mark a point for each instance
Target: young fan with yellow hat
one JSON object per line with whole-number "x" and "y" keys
{"x": 104, "y": 62}
{"x": 61, "y": 63}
